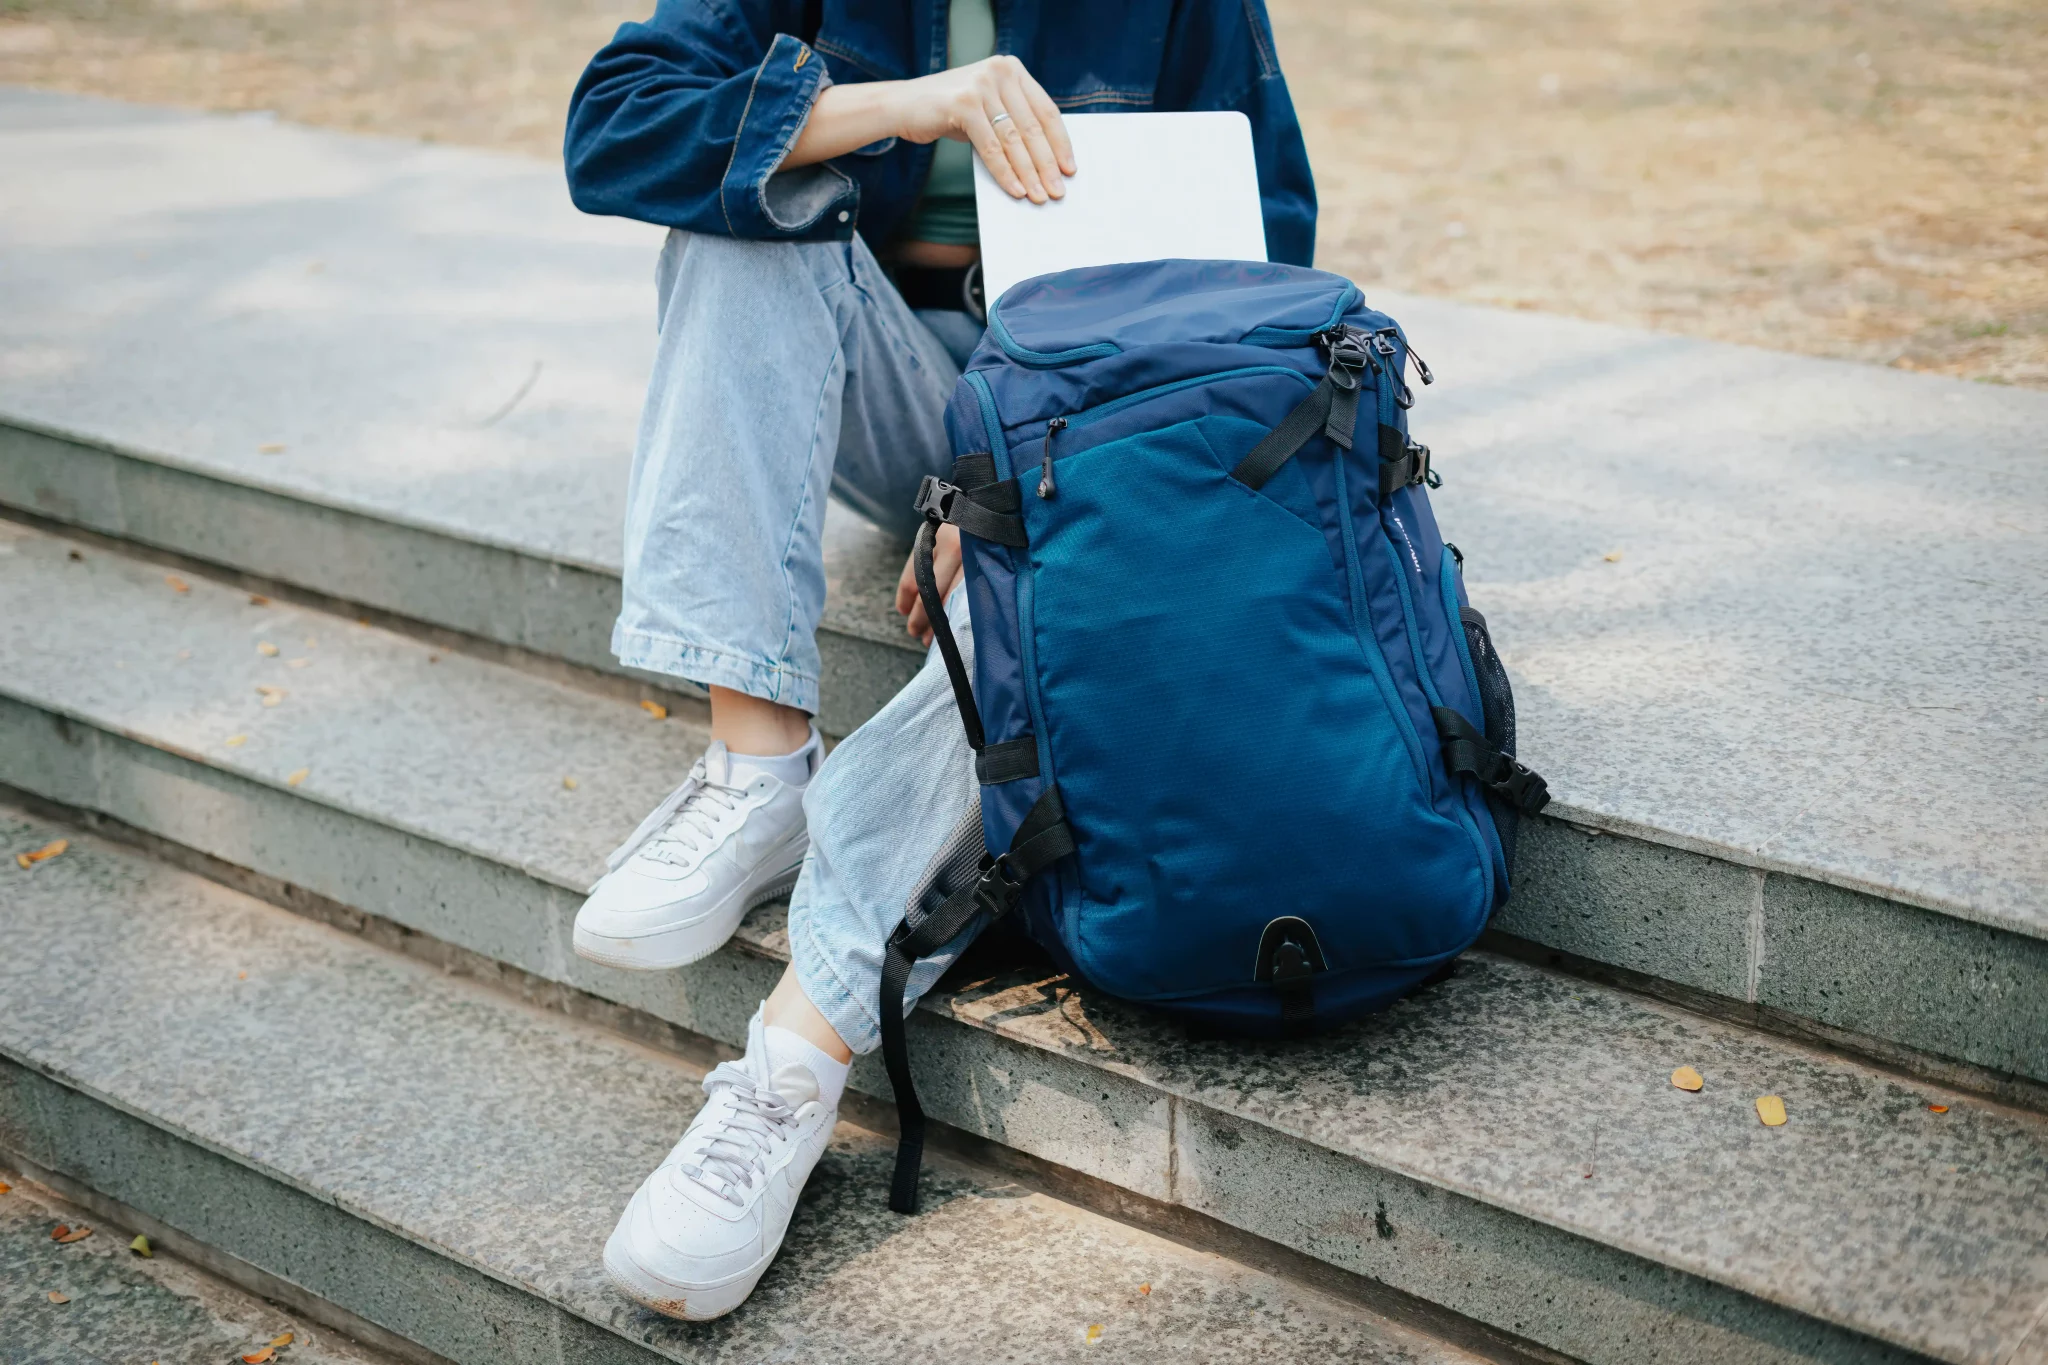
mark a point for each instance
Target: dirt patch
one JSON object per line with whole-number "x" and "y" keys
{"x": 1867, "y": 181}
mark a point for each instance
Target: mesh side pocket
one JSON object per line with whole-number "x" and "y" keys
{"x": 1497, "y": 703}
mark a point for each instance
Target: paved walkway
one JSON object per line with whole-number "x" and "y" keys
{"x": 1784, "y": 610}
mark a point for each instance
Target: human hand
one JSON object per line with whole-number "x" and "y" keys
{"x": 998, "y": 108}
{"x": 946, "y": 572}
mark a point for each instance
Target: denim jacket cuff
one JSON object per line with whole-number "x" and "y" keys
{"x": 760, "y": 199}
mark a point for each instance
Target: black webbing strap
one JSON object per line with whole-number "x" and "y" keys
{"x": 949, "y": 648}
{"x": 1317, "y": 414}
{"x": 987, "y": 512}
{"x": 1402, "y": 462}
{"x": 1041, "y": 840}
{"x": 1008, "y": 761}
{"x": 1330, "y": 409}
{"x": 1467, "y": 751}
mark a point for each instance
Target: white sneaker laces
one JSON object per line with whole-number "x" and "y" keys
{"x": 684, "y": 827}
{"x": 742, "y": 1122}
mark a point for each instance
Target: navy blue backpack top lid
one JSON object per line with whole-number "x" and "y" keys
{"x": 1246, "y": 751}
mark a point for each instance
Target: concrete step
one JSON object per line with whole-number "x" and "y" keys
{"x": 119, "y": 1306}
{"x": 1773, "y": 643}
{"x": 1909, "y": 985}
{"x": 445, "y": 1162}
{"x": 1506, "y": 1146}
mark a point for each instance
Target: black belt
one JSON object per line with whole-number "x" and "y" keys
{"x": 954, "y": 289}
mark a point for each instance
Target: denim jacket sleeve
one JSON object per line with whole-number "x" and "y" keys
{"x": 684, "y": 121}
{"x": 1220, "y": 55}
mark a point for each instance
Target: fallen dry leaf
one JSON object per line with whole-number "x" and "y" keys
{"x": 1937, "y": 1109}
{"x": 296, "y": 663}
{"x": 5, "y": 1187}
{"x": 257, "y": 599}
{"x": 266, "y": 649}
{"x": 300, "y": 776}
{"x": 241, "y": 976}
{"x": 177, "y": 584}
{"x": 281, "y": 1339}
{"x": 57, "y": 1233}
{"x": 655, "y": 709}
{"x": 1771, "y": 1110}
{"x": 236, "y": 741}
{"x": 262, "y": 1357}
{"x": 1685, "y": 1078}
{"x": 271, "y": 448}
{"x": 77, "y": 1234}
{"x": 1094, "y": 1332}
{"x": 141, "y": 1247}
{"x": 56, "y": 1296}
{"x": 41, "y": 855}
{"x": 1144, "y": 1289}
{"x": 1612, "y": 556}
{"x": 271, "y": 695}
{"x": 75, "y": 556}
{"x": 568, "y": 784}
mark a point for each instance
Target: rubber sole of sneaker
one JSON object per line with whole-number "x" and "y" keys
{"x": 680, "y": 945}
{"x": 691, "y": 1303}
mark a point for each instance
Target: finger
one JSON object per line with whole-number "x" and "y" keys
{"x": 1031, "y": 129}
{"x": 1051, "y": 121}
{"x": 989, "y": 147}
{"x": 906, "y": 590}
{"x": 1012, "y": 137}
{"x": 918, "y": 626}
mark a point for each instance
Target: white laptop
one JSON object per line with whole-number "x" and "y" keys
{"x": 1146, "y": 187}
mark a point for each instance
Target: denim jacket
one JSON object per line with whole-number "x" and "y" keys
{"x": 684, "y": 120}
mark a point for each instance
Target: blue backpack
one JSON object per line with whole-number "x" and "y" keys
{"x": 1246, "y": 752}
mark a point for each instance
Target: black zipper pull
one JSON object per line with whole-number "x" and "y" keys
{"x": 1421, "y": 367}
{"x": 1382, "y": 344}
{"x": 1046, "y": 486}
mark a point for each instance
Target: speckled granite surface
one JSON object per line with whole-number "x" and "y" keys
{"x": 1813, "y": 651}
{"x": 506, "y": 1139}
{"x": 123, "y": 1309}
{"x": 467, "y": 753}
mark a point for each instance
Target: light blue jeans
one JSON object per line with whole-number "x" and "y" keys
{"x": 786, "y": 372}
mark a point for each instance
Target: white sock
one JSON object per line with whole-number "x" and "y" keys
{"x": 791, "y": 769}
{"x": 781, "y": 1046}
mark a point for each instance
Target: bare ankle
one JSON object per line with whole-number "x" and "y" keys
{"x": 749, "y": 725}
{"x": 788, "y": 1007}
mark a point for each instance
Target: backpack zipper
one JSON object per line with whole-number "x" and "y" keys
{"x": 1046, "y": 486}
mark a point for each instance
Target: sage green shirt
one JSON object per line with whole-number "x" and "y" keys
{"x": 946, "y": 212}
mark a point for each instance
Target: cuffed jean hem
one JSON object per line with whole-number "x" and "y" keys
{"x": 860, "y": 1028}
{"x": 715, "y": 668}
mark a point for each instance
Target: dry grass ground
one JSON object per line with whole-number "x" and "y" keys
{"x": 1864, "y": 180}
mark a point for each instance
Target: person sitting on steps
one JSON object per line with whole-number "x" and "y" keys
{"x": 816, "y": 299}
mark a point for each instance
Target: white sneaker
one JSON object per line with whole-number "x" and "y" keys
{"x": 700, "y": 1231}
{"x": 728, "y": 839}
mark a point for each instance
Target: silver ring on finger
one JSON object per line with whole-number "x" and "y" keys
{"x": 999, "y": 118}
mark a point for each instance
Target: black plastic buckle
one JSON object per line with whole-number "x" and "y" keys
{"x": 1524, "y": 788}
{"x": 1349, "y": 358}
{"x": 935, "y": 499}
{"x": 1423, "y": 473}
{"x": 999, "y": 886}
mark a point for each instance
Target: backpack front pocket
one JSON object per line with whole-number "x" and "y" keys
{"x": 1264, "y": 774}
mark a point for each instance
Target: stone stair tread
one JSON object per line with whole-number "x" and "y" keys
{"x": 1506, "y": 1084}
{"x": 506, "y": 1139}
{"x": 1812, "y": 653}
